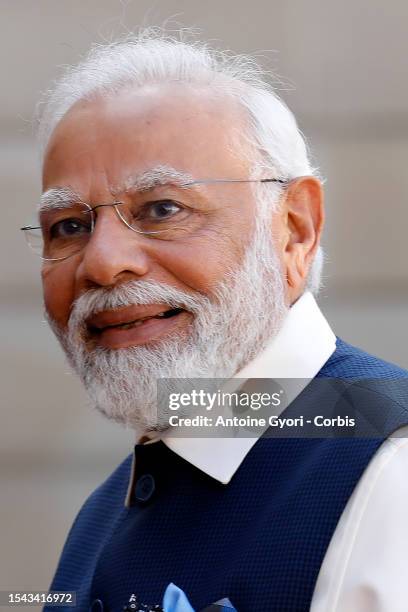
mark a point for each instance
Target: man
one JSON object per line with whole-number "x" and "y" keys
{"x": 179, "y": 227}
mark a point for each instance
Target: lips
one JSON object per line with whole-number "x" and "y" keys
{"x": 130, "y": 316}
{"x": 132, "y": 325}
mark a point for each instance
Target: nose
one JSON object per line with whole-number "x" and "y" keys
{"x": 113, "y": 252}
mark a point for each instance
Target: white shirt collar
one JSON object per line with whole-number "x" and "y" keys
{"x": 298, "y": 351}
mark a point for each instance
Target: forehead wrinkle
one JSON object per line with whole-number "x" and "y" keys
{"x": 58, "y": 198}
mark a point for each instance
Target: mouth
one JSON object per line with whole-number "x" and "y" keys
{"x": 167, "y": 314}
{"x": 135, "y": 325}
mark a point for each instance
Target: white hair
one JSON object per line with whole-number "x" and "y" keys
{"x": 153, "y": 57}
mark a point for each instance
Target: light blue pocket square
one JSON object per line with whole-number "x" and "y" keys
{"x": 175, "y": 600}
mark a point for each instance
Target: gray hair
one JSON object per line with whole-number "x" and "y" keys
{"x": 153, "y": 56}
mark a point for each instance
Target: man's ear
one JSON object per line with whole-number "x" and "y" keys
{"x": 301, "y": 223}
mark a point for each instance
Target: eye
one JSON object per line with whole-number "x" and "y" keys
{"x": 161, "y": 210}
{"x": 69, "y": 228}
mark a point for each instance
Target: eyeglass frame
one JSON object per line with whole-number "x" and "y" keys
{"x": 148, "y": 233}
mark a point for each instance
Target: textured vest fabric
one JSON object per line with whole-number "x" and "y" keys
{"x": 260, "y": 540}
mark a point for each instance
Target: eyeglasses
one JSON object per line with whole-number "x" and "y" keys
{"x": 63, "y": 230}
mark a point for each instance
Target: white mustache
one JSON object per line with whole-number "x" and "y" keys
{"x": 132, "y": 293}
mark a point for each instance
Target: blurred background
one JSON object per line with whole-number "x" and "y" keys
{"x": 345, "y": 69}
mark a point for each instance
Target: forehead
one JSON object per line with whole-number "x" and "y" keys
{"x": 100, "y": 143}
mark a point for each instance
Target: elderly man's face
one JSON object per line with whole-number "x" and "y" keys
{"x": 130, "y": 308}
{"x": 99, "y": 146}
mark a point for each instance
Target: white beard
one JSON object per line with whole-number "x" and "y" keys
{"x": 229, "y": 329}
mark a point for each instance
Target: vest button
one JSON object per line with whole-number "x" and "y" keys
{"x": 96, "y": 606}
{"x": 145, "y": 487}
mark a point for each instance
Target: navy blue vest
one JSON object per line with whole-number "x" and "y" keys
{"x": 260, "y": 540}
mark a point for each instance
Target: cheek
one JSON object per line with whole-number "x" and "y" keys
{"x": 58, "y": 291}
{"x": 203, "y": 262}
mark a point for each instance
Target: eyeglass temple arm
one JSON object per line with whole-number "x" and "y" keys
{"x": 264, "y": 180}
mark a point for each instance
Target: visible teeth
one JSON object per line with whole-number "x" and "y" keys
{"x": 138, "y": 322}
{"x": 132, "y": 324}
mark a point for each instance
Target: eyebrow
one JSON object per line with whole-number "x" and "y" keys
{"x": 58, "y": 198}
{"x": 160, "y": 176}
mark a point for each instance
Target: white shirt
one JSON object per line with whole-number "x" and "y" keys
{"x": 365, "y": 568}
